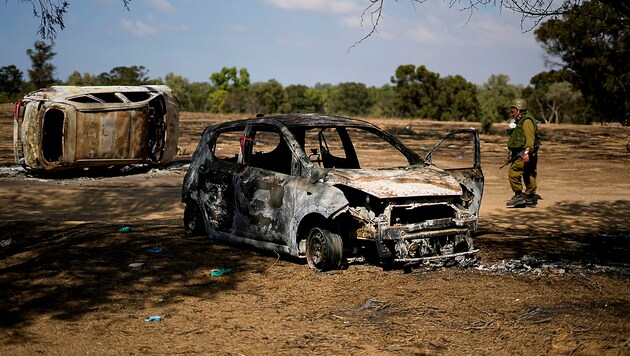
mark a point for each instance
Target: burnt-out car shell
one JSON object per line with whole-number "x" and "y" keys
{"x": 66, "y": 127}
{"x": 308, "y": 194}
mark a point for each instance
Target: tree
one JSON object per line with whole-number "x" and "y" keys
{"x": 180, "y": 89}
{"x": 554, "y": 98}
{"x": 408, "y": 92}
{"x": 350, "y": 99}
{"x": 383, "y": 100}
{"x": 10, "y": 81}
{"x": 230, "y": 79}
{"x": 593, "y": 47}
{"x": 267, "y": 98}
{"x": 134, "y": 75}
{"x": 422, "y": 93}
{"x": 494, "y": 98}
{"x": 228, "y": 90}
{"x": 217, "y": 101}
{"x": 198, "y": 96}
{"x": 42, "y": 71}
{"x": 457, "y": 99}
{"x": 75, "y": 78}
{"x": 304, "y": 99}
{"x": 561, "y": 101}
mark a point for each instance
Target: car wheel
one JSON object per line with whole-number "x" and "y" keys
{"x": 324, "y": 250}
{"x": 193, "y": 221}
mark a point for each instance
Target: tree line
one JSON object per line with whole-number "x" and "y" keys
{"x": 589, "y": 84}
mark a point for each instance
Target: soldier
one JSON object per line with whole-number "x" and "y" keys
{"x": 523, "y": 141}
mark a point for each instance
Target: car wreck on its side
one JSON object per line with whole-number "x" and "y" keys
{"x": 61, "y": 128}
{"x": 329, "y": 188}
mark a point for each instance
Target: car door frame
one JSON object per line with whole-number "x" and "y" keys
{"x": 471, "y": 178}
{"x": 263, "y": 203}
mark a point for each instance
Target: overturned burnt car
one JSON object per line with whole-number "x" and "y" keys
{"x": 330, "y": 188}
{"x": 68, "y": 127}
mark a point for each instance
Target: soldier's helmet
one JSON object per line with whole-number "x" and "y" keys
{"x": 519, "y": 103}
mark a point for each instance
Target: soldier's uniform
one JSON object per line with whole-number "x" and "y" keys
{"x": 523, "y": 137}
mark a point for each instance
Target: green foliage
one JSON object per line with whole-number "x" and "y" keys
{"x": 10, "y": 83}
{"x": 409, "y": 91}
{"x": 267, "y": 98}
{"x": 349, "y": 99}
{"x": 422, "y": 93}
{"x": 383, "y": 100}
{"x": 304, "y": 99}
{"x": 86, "y": 79}
{"x": 180, "y": 89}
{"x": 494, "y": 99}
{"x": 134, "y": 75}
{"x": 554, "y": 99}
{"x": 217, "y": 101}
{"x": 230, "y": 79}
{"x": 228, "y": 91}
{"x": 198, "y": 96}
{"x": 42, "y": 71}
{"x": 457, "y": 99}
{"x": 562, "y": 102}
{"x": 593, "y": 44}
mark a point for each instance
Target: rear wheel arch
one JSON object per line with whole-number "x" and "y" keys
{"x": 306, "y": 224}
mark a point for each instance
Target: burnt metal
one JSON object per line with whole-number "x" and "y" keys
{"x": 67, "y": 127}
{"x": 272, "y": 199}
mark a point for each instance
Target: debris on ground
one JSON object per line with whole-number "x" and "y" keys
{"x": 153, "y": 318}
{"x": 220, "y": 272}
{"x": 538, "y": 267}
{"x": 126, "y": 229}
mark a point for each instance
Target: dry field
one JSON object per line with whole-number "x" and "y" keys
{"x": 554, "y": 279}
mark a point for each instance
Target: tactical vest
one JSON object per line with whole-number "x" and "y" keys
{"x": 517, "y": 137}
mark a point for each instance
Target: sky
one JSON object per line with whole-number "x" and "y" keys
{"x": 292, "y": 41}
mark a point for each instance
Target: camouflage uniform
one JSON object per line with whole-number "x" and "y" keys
{"x": 524, "y": 136}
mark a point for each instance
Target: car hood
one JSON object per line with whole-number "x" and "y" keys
{"x": 412, "y": 181}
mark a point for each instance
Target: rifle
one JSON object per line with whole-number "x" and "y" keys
{"x": 517, "y": 156}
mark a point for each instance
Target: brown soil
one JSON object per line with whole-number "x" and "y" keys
{"x": 549, "y": 280}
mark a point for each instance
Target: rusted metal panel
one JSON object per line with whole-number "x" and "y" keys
{"x": 414, "y": 181}
{"x": 65, "y": 127}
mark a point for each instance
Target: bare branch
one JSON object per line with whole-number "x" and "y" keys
{"x": 375, "y": 8}
{"x": 51, "y": 14}
{"x": 535, "y": 11}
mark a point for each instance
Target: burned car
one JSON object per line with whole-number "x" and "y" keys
{"x": 329, "y": 189}
{"x": 67, "y": 127}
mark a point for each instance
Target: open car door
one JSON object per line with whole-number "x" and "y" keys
{"x": 459, "y": 153}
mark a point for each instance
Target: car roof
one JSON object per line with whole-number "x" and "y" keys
{"x": 301, "y": 120}
{"x": 61, "y": 92}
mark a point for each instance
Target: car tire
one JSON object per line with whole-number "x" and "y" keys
{"x": 324, "y": 250}
{"x": 193, "y": 220}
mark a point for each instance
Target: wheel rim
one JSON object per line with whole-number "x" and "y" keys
{"x": 317, "y": 249}
{"x": 324, "y": 250}
{"x": 316, "y": 255}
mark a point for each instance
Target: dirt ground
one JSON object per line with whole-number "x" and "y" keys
{"x": 547, "y": 280}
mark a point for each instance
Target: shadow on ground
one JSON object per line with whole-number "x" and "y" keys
{"x": 571, "y": 232}
{"x": 64, "y": 271}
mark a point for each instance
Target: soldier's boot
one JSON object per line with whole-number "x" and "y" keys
{"x": 517, "y": 200}
{"x": 532, "y": 199}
